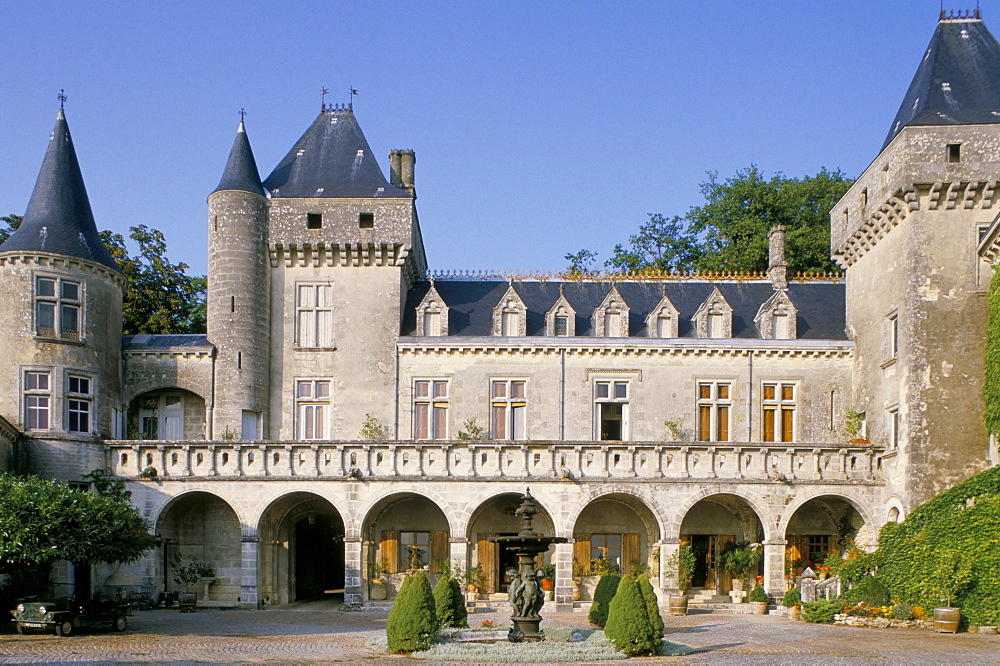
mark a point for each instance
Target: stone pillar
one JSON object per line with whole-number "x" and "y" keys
{"x": 352, "y": 573}
{"x": 249, "y": 547}
{"x": 562, "y": 557}
{"x": 774, "y": 567}
{"x": 669, "y": 548}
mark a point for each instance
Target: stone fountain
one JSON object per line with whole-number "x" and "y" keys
{"x": 526, "y": 595}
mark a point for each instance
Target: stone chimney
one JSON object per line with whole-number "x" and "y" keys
{"x": 776, "y": 265}
{"x": 395, "y": 170}
{"x": 407, "y": 160}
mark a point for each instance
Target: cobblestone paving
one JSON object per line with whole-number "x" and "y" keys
{"x": 318, "y": 633}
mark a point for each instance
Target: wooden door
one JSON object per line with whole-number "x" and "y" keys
{"x": 487, "y": 555}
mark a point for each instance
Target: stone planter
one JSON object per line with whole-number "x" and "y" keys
{"x": 377, "y": 591}
{"x": 759, "y": 607}
{"x": 187, "y": 602}
{"x": 946, "y": 620}
{"x": 677, "y": 604}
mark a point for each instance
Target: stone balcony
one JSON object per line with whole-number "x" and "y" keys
{"x": 464, "y": 460}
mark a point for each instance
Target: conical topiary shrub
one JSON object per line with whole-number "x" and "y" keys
{"x": 652, "y": 604}
{"x": 412, "y": 622}
{"x": 449, "y": 603}
{"x": 603, "y": 594}
{"x": 629, "y": 628}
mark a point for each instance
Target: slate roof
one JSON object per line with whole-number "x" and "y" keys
{"x": 958, "y": 81}
{"x": 241, "y": 168}
{"x": 59, "y": 219}
{"x": 165, "y": 342}
{"x": 820, "y": 305}
{"x": 333, "y": 156}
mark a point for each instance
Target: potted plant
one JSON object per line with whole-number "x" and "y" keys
{"x": 187, "y": 575}
{"x": 547, "y": 575}
{"x": 377, "y": 590}
{"x": 475, "y": 578}
{"x": 952, "y": 574}
{"x": 758, "y": 597}
{"x": 578, "y": 573}
{"x": 682, "y": 563}
{"x": 740, "y": 558}
{"x": 792, "y": 601}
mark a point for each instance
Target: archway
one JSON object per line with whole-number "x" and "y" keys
{"x": 301, "y": 550}
{"x": 404, "y": 532}
{"x": 821, "y": 525}
{"x": 496, "y": 517}
{"x": 166, "y": 414}
{"x": 618, "y": 528}
{"x": 204, "y": 526}
{"x": 708, "y": 526}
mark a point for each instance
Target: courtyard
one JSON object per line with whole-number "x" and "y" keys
{"x": 317, "y": 632}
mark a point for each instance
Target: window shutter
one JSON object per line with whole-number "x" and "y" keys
{"x": 324, "y": 328}
{"x": 389, "y": 550}
{"x": 307, "y": 328}
{"x": 581, "y": 551}
{"x": 439, "y": 550}
{"x": 487, "y": 556}
{"x": 630, "y": 553}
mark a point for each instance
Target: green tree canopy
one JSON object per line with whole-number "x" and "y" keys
{"x": 43, "y": 521}
{"x": 11, "y": 223}
{"x": 729, "y": 231}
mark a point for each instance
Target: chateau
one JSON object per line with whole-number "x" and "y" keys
{"x": 350, "y": 411}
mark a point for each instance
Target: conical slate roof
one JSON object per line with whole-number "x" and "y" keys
{"x": 241, "y": 168}
{"x": 958, "y": 81}
{"x": 59, "y": 219}
{"x": 332, "y": 159}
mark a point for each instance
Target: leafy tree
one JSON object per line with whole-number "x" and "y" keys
{"x": 661, "y": 245}
{"x": 43, "y": 521}
{"x": 161, "y": 297}
{"x": 412, "y": 622}
{"x": 11, "y": 223}
{"x": 629, "y": 628}
{"x": 579, "y": 262}
{"x": 603, "y": 594}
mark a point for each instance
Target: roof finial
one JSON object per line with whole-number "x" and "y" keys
{"x": 243, "y": 114}
{"x": 323, "y": 93}
{"x": 350, "y": 104}
{"x": 62, "y": 98}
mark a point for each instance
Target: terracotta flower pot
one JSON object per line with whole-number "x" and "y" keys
{"x": 548, "y": 584}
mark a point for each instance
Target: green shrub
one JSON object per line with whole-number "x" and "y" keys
{"x": 792, "y": 598}
{"x": 902, "y": 611}
{"x": 412, "y": 622}
{"x": 628, "y": 626}
{"x": 449, "y": 604}
{"x": 605, "y": 591}
{"x": 758, "y": 594}
{"x": 868, "y": 590}
{"x": 652, "y": 604}
{"x": 821, "y": 611}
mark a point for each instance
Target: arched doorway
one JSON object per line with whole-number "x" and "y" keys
{"x": 166, "y": 414}
{"x": 708, "y": 526}
{"x": 301, "y": 550}
{"x": 821, "y": 525}
{"x": 404, "y": 532}
{"x": 204, "y": 526}
{"x": 620, "y": 529}
{"x": 496, "y": 517}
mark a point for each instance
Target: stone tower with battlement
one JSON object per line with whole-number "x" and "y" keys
{"x": 907, "y": 233}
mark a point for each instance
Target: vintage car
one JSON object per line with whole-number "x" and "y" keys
{"x": 65, "y": 616}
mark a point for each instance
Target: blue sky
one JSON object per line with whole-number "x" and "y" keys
{"x": 540, "y": 127}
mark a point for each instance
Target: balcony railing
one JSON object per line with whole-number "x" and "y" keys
{"x": 569, "y": 461}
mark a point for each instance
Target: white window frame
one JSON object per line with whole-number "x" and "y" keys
{"x": 312, "y": 408}
{"x": 893, "y": 429}
{"x": 716, "y": 406}
{"x": 37, "y": 399}
{"x": 61, "y": 306}
{"x": 79, "y": 403}
{"x": 314, "y": 315}
{"x": 430, "y": 408}
{"x": 776, "y": 407}
{"x": 892, "y": 333}
{"x": 612, "y": 390}
{"x": 508, "y": 412}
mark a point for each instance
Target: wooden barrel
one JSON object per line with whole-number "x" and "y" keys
{"x": 677, "y": 604}
{"x": 946, "y": 620}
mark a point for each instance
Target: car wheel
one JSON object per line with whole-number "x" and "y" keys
{"x": 120, "y": 623}
{"x": 64, "y": 628}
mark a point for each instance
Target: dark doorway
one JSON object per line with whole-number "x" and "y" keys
{"x": 81, "y": 582}
{"x": 611, "y": 421}
{"x": 700, "y": 548}
{"x": 507, "y": 564}
{"x": 319, "y": 557}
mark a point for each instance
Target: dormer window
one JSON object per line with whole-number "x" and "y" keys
{"x": 610, "y": 319}
{"x": 662, "y": 321}
{"x": 776, "y": 317}
{"x": 57, "y": 308}
{"x": 432, "y": 315}
{"x": 510, "y": 315}
{"x": 560, "y": 320}
{"x": 714, "y": 318}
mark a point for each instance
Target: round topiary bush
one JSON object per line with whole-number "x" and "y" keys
{"x": 605, "y": 591}
{"x": 412, "y": 622}
{"x": 449, "y": 603}
{"x": 629, "y": 628}
{"x": 792, "y": 598}
{"x": 652, "y": 604}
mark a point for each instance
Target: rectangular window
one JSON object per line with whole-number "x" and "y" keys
{"x": 312, "y": 398}
{"x": 893, "y": 427}
{"x": 78, "y": 403}
{"x": 778, "y": 403}
{"x": 611, "y": 398}
{"x": 37, "y": 400}
{"x": 508, "y": 408}
{"x": 892, "y": 322}
{"x": 663, "y": 329}
{"x": 716, "y": 325}
{"x": 606, "y": 546}
{"x": 508, "y": 323}
{"x": 430, "y": 409}
{"x": 366, "y": 220}
{"x": 314, "y": 312}
{"x": 714, "y": 405}
{"x": 954, "y": 152}
{"x": 57, "y": 308}
{"x": 560, "y": 325}
{"x": 415, "y": 549}
{"x": 314, "y": 220}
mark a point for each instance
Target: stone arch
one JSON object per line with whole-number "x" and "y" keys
{"x": 201, "y": 524}
{"x": 617, "y": 526}
{"x": 455, "y": 525}
{"x": 170, "y": 413}
{"x": 301, "y": 551}
{"x": 812, "y": 526}
{"x": 870, "y": 534}
{"x": 895, "y": 512}
{"x": 672, "y": 525}
{"x": 656, "y": 510}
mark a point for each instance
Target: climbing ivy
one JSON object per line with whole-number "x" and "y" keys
{"x": 991, "y": 385}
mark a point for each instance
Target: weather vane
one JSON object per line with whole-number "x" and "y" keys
{"x": 324, "y": 91}
{"x": 350, "y": 105}
{"x": 243, "y": 114}
{"x": 62, "y": 98}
